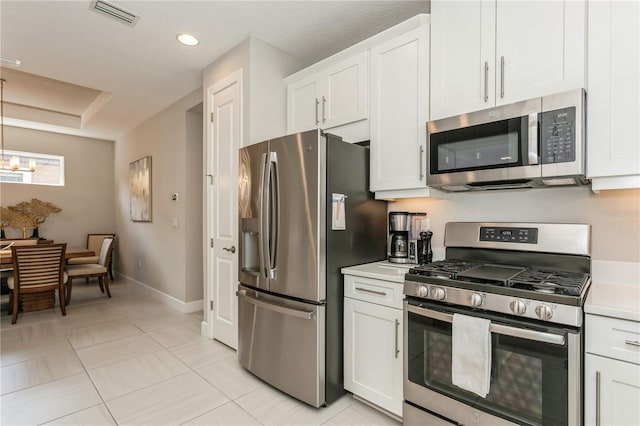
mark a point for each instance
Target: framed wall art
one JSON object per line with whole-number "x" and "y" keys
{"x": 140, "y": 190}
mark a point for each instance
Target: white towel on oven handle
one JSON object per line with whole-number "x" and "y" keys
{"x": 471, "y": 354}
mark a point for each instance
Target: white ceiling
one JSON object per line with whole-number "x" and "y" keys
{"x": 132, "y": 73}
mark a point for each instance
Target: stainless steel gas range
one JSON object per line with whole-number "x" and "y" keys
{"x": 526, "y": 284}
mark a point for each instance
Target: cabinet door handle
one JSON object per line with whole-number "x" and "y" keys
{"x": 232, "y": 249}
{"x": 420, "y": 162}
{"x": 486, "y": 81}
{"x": 632, "y": 342}
{"x": 502, "y": 76}
{"x": 397, "y": 349}
{"x": 597, "y": 398}
{"x": 381, "y": 293}
{"x": 324, "y": 102}
{"x": 317, "y": 103}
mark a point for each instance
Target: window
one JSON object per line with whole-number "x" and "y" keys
{"x": 49, "y": 169}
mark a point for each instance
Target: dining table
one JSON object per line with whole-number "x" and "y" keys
{"x": 70, "y": 253}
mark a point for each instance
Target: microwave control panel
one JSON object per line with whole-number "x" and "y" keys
{"x": 558, "y": 136}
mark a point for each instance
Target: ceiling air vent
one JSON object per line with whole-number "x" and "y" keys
{"x": 114, "y": 12}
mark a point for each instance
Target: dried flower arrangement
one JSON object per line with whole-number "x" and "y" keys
{"x": 27, "y": 215}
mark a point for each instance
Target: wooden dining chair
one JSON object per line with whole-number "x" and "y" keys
{"x": 6, "y": 245}
{"x": 98, "y": 270}
{"x": 36, "y": 269}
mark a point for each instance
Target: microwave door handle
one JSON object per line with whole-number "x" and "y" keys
{"x": 522, "y": 333}
{"x": 274, "y": 213}
{"x": 534, "y": 140}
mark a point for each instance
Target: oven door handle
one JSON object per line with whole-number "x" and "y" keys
{"x": 538, "y": 336}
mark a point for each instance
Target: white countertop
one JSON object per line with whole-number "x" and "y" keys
{"x": 614, "y": 300}
{"x": 615, "y": 290}
{"x": 380, "y": 271}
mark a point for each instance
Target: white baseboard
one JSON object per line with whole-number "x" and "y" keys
{"x": 164, "y": 298}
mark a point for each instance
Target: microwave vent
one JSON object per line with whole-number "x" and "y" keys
{"x": 114, "y": 12}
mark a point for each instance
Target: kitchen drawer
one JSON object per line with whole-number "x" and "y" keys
{"x": 613, "y": 338}
{"x": 386, "y": 293}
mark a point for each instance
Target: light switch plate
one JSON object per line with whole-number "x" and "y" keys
{"x": 174, "y": 196}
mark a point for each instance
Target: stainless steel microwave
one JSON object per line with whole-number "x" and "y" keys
{"x": 531, "y": 144}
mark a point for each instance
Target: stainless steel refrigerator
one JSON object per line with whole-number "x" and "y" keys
{"x": 290, "y": 296}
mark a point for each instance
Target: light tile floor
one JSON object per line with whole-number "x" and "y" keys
{"x": 130, "y": 360}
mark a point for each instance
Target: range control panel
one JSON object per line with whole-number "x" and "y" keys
{"x": 509, "y": 235}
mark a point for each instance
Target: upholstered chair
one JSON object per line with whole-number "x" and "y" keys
{"x": 98, "y": 270}
{"x": 94, "y": 243}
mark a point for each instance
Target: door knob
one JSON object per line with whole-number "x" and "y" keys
{"x": 232, "y": 249}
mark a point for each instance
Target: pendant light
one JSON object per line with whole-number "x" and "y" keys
{"x": 14, "y": 162}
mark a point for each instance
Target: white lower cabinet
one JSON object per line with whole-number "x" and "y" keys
{"x": 612, "y": 393}
{"x": 612, "y": 371}
{"x": 373, "y": 344}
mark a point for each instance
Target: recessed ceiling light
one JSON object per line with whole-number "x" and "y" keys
{"x": 188, "y": 39}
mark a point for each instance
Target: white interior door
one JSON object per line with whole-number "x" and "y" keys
{"x": 224, "y": 138}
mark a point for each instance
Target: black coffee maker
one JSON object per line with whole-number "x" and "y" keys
{"x": 398, "y": 250}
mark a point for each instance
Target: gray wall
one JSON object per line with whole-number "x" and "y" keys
{"x": 614, "y": 215}
{"x": 155, "y": 253}
{"x": 86, "y": 200}
{"x": 264, "y": 93}
{"x": 193, "y": 214}
{"x": 268, "y": 105}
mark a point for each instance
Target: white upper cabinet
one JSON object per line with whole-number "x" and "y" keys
{"x": 540, "y": 48}
{"x": 613, "y": 105}
{"x": 303, "y": 105}
{"x": 399, "y": 112}
{"x": 487, "y": 52}
{"x": 462, "y": 56}
{"x": 332, "y": 97}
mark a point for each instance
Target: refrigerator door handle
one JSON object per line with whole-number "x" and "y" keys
{"x": 274, "y": 230}
{"x": 264, "y": 197}
{"x": 276, "y": 308}
{"x": 274, "y": 213}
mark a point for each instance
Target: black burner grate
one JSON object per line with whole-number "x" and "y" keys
{"x": 444, "y": 268}
{"x": 558, "y": 282}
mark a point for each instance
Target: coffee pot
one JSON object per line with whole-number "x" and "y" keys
{"x": 403, "y": 233}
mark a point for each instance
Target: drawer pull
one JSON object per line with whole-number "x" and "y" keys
{"x": 632, "y": 342}
{"x": 381, "y": 293}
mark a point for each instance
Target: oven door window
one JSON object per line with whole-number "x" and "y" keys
{"x": 529, "y": 379}
{"x": 484, "y": 146}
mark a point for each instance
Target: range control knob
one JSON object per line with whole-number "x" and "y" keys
{"x": 422, "y": 291}
{"x": 518, "y": 307}
{"x": 475, "y": 299}
{"x": 544, "y": 312}
{"x": 438, "y": 293}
